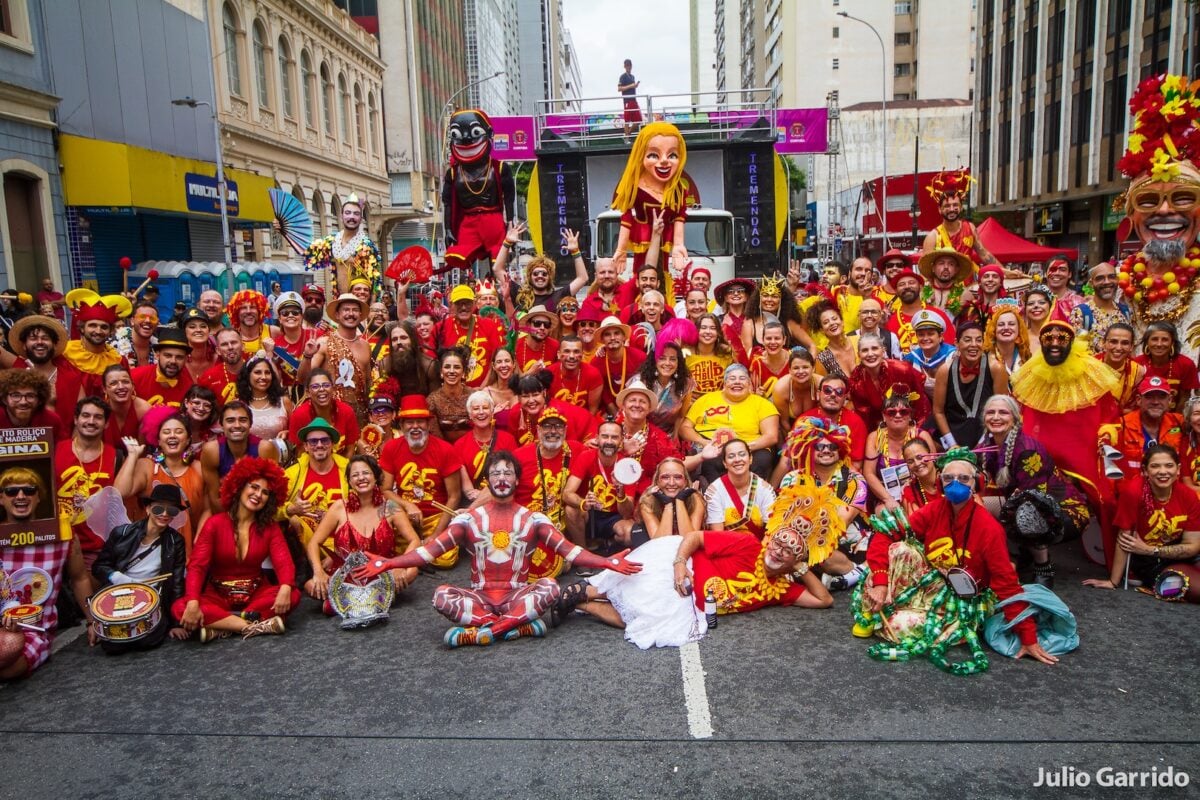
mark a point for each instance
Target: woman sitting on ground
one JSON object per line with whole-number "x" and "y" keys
{"x": 671, "y": 507}
{"x": 139, "y": 551}
{"x": 739, "y": 500}
{"x": 366, "y": 521}
{"x": 226, "y": 584}
{"x": 1158, "y": 524}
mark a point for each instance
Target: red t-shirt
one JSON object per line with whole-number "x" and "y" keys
{"x": 421, "y": 478}
{"x": 77, "y": 482}
{"x": 528, "y": 354}
{"x": 580, "y": 424}
{"x": 486, "y": 339}
{"x": 726, "y": 565}
{"x": 1161, "y": 524}
{"x": 531, "y": 492}
{"x": 221, "y": 381}
{"x": 146, "y": 385}
{"x": 615, "y": 376}
{"x": 596, "y": 478}
{"x": 343, "y": 419}
{"x": 1180, "y": 374}
{"x": 42, "y": 419}
{"x": 851, "y": 419}
{"x": 321, "y": 490}
{"x": 901, "y": 325}
{"x": 576, "y": 388}
{"x": 473, "y": 455}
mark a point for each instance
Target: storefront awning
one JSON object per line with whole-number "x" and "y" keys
{"x": 110, "y": 175}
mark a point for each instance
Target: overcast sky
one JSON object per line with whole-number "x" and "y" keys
{"x": 651, "y": 33}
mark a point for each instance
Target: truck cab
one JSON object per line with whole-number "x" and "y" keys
{"x": 710, "y": 236}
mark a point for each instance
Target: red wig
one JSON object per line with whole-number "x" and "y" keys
{"x": 249, "y": 469}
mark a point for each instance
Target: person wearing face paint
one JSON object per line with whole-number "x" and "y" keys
{"x": 1058, "y": 281}
{"x": 503, "y": 538}
{"x": 1060, "y": 390}
{"x": 957, "y": 534}
{"x": 477, "y": 192}
{"x": 1162, "y": 357}
{"x": 167, "y": 380}
{"x": 227, "y": 590}
{"x": 1005, "y": 338}
{"x": 346, "y": 355}
{"x": 1035, "y": 502}
{"x": 1152, "y": 422}
{"x": 545, "y": 469}
{"x": 878, "y": 377}
{"x": 962, "y": 384}
{"x": 1158, "y": 519}
{"x": 1097, "y": 313}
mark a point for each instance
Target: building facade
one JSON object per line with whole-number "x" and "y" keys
{"x": 33, "y": 229}
{"x": 702, "y": 42}
{"x": 547, "y": 60}
{"x": 1052, "y": 117}
{"x": 490, "y": 33}
{"x": 299, "y": 88}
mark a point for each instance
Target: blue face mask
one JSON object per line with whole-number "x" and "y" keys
{"x": 957, "y": 492}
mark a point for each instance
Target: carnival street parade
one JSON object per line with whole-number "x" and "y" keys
{"x": 911, "y": 441}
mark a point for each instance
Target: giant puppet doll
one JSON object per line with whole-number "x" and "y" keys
{"x": 653, "y": 184}
{"x": 1163, "y": 206}
{"x": 477, "y": 192}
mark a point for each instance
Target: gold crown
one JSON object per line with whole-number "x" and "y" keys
{"x": 771, "y": 286}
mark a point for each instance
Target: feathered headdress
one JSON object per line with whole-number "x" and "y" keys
{"x": 812, "y": 513}
{"x": 808, "y": 431}
{"x": 677, "y": 330}
{"x": 1166, "y": 121}
{"x": 950, "y": 183}
{"x": 388, "y": 387}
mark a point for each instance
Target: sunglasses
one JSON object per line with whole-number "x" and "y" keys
{"x": 540, "y": 323}
{"x": 163, "y": 511}
{"x": 13, "y": 491}
{"x": 1178, "y": 199}
{"x": 833, "y": 391}
{"x": 318, "y": 441}
{"x": 582, "y": 324}
{"x": 825, "y": 447}
{"x": 898, "y": 412}
{"x": 539, "y": 273}
{"x": 146, "y": 318}
{"x": 290, "y": 312}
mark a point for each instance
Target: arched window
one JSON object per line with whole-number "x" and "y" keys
{"x": 318, "y": 213}
{"x": 372, "y": 123}
{"x": 260, "y": 64}
{"x": 285, "y": 76}
{"x": 327, "y": 99}
{"x": 344, "y": 106}
{"x": 306, "y": 87}
{"x": 360, "y": 120}
{"x": 233, "y": 70}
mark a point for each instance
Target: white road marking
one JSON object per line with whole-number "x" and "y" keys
{"x": 695, "y": 695}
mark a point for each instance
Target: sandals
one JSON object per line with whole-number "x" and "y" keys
{"x": 571, "y": 596}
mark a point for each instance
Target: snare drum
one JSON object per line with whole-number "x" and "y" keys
{"x": 25, "y": 614}
{"x": 544, "y": 563}
{"x": 125, "y": 613}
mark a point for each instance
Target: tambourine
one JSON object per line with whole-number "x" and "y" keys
{"x": 628, "y": 471}
{"x": 27, "y": 614}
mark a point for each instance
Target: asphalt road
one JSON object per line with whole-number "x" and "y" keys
{"x": 784, "y": 702}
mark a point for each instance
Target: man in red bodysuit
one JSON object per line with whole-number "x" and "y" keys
{"x": 501, "y": 537}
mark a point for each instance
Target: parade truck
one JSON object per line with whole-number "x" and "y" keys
{"x": 737, "y": 188}
{"x": 713, "y": 238}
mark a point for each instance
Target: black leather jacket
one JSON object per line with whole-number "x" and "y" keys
{"x": 123, "y": 543}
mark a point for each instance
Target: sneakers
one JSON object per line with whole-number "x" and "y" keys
{"x": 267, "y": 627}
{"x": 1043, "y": 574}
{"x": 536, "y": 629}
{"x": 212, "y": 634}
{"x": 462, "y": 637}
{"x": 863, "y": 631}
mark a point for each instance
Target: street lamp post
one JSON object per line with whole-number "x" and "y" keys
{"x": 883, "y": 70}
{"x": 192, "y": 102}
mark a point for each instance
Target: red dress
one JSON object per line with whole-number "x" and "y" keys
{"x": 639, "y": 220}
{"x": 730, "y": 566}
{"x": 347, "y": 539}
{"x": 214, "y": 559}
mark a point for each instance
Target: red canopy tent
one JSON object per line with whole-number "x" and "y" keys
{"x": 1007, "y": 247}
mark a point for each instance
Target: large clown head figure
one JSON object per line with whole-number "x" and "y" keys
{"x": 655, "y": 163}
{"x": 470, "y": 135}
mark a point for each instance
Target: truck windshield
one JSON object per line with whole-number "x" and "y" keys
{"x": 703, "y": 236}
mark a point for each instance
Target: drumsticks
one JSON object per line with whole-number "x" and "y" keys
{"x": 157, "y": 578}
{"x": 447, "y": 509}
{"x": 29, "y": 627}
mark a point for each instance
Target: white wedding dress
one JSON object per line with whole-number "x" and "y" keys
{"x": 654, "y": 613}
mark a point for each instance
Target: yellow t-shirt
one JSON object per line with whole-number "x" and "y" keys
{"x": 707, "y": 371}
{"x": 713, "y": 411}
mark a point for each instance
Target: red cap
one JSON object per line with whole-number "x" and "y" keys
{"x": 892, "y": 255}
{"x": 1153, "y": 383}
{"x": 907, "y": 272}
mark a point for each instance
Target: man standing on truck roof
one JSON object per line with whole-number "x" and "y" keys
{"x": 628, "y": 85}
